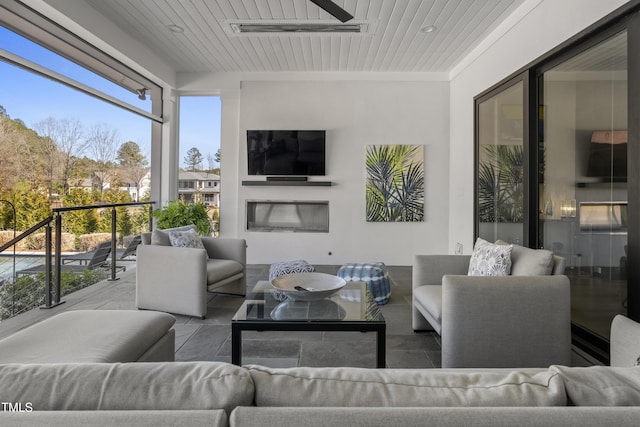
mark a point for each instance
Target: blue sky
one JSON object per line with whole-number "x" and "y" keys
{"x": 32, "y": 98}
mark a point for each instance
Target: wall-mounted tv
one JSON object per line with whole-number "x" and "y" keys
{"x": 608, "y": 156}
{"x": 286, "y": 152}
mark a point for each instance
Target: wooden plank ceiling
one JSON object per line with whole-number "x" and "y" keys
{"x": 392, "y": 41}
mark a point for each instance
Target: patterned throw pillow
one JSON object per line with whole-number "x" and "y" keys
{"x": 489, "y": 259}
{"x": 185, "y": 239}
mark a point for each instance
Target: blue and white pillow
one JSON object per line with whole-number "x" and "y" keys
{"x": 489, "y": 259}
{"x": 185, "y": 239}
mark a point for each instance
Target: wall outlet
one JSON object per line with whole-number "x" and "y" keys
{"x": 458, "y": 250}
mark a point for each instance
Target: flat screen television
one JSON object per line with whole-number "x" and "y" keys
{"x": 286, "y": 152}
{"x": 608, "y": 156}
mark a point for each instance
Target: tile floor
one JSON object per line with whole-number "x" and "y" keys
{"x": 210, "y": 339}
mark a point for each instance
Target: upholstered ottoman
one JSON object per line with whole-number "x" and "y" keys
{"x": 94, "y": 336}
{"x": 375, "y": 275}
{"x": 278, "y": 269}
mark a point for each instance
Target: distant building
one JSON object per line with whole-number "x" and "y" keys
{"x": 137, "y": 190}
{"x": 199, "y": 187}
{"x": 95, "y": 182}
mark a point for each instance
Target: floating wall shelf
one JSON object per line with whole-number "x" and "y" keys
{"x": 290, "y": 183}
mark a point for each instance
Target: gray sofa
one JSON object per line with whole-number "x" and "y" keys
{"x": 176, "y": 279}
{"x": 518, "y": 320}
{"x": 220, "y": 394}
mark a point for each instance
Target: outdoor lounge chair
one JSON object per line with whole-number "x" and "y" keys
{"x": 122, "y": 254}
{"x": 98, "y": 260}
{"x": 130, "y": 250}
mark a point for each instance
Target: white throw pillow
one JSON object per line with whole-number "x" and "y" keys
{"x": 489, "y": 259}
{"x": 185, "y": 239}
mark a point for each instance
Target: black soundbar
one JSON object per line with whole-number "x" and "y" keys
{"x": 287, "y": 178}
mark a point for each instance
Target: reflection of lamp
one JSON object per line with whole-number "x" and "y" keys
{"x": 568, "y": 208}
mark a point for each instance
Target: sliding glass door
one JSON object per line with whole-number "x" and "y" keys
{"x": 556, "y": 167}
{"x": 582, "y": 193}
{"x": 500, "y": 177}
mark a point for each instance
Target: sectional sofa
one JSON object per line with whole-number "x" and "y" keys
{"x": 221, "y": 394}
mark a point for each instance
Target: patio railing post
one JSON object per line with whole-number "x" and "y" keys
{"x": 47, "y": 267}
{"x": 113, "y": 244}
{"x": 150, "y": 217}
{"x": 58, "y": 258}
{"x": 50, "y": 300}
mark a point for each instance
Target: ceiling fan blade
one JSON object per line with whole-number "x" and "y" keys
{"x": 333, "y": 9}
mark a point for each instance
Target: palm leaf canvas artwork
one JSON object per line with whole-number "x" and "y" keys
{"x": 501, "y": 184}
{"x": 395, "y": 183}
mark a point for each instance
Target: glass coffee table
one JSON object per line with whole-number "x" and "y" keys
{"x": 352, "y": 308}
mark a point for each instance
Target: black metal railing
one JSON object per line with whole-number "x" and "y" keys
{"x": 58, "y": 214}
{"x": 46, "y": 223}
{"x": 53, "y": 248}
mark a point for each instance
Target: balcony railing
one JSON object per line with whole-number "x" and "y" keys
{"x": 44, "y": 283}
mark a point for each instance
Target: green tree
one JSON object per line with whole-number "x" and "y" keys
{"x": 129, "y": 155}
{"x": 193, "y": 159}
{"x": 133, "y": 165}
{"x": 32, "y": 206}
{"x": 124, "y": 224}
{"x": 81, "y": 221}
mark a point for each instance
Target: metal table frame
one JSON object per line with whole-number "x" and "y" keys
{"x": 237, "y": 326}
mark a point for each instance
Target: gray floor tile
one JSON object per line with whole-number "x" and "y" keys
{"x": 408, "y": 359}
{"x": 356, "y": 354}
{"x": 184, "y": 333}
{"x": 265, "y": 348}
{"x": 422, "y": 341}
{"x": 205, "y": 343}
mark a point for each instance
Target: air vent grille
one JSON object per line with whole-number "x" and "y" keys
{"x": 249, "y": 28}
{"x": 296, "y": 28}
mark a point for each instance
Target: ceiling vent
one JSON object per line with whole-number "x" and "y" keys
{"x": 249, "y": 28}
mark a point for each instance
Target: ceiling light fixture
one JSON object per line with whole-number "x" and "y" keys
{"x": 428, "y": 29}
{"x": 142, "y": 93}
{"x": 175, "y": 28}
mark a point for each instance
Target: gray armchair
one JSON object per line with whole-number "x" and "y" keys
{"x": 176, "y": 279}
{"x": 503, "y": 321}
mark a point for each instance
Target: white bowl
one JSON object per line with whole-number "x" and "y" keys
{"x": 314, "y": 286}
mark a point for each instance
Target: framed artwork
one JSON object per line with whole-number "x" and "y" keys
{"x": 395, "y": 183}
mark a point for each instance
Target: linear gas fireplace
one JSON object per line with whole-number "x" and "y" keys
{"x": 288, "y": 216}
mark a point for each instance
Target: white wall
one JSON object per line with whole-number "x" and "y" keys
{"x": 354, "y": 114}
{"x": 534, "y": 29}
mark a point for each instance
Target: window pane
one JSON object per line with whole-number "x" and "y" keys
{"x": 500, "y": 166}
{"x": 25, "y": 48}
